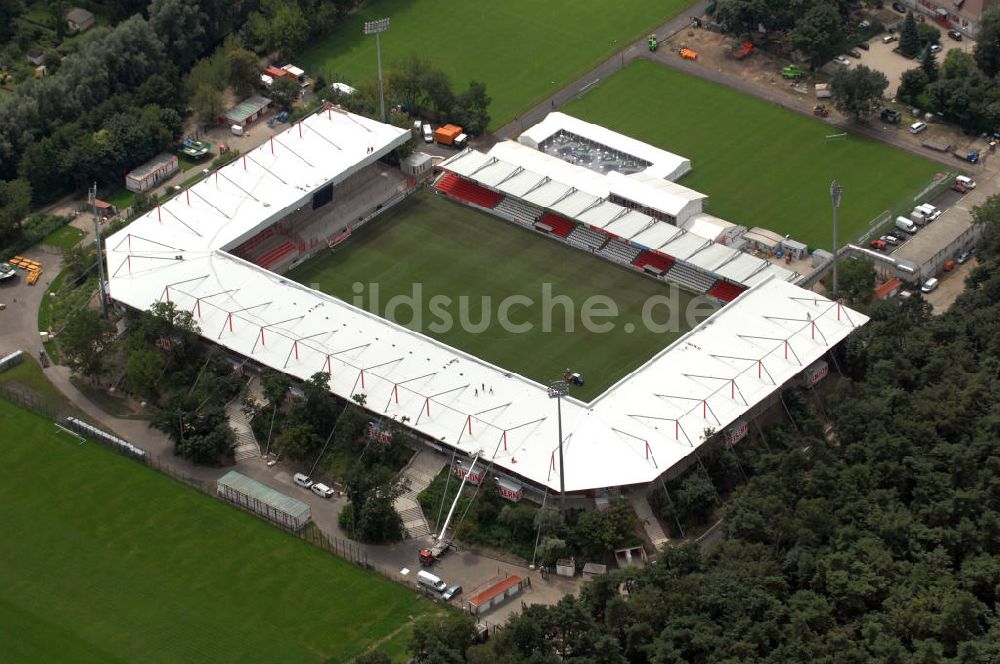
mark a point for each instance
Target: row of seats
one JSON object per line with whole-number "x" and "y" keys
{"x": 686, "y": 275}
{"x": 654, "y": 262}
{"x": 254, "y": 242}
{"x": 553, "y": 223}
{"x": 619, "y": 252}
{"x": 518, "y": 211}
{"x": 273, "y": 256}
{"x": 585, "y": 237}
{"x": 725, "y": 291}
{"x": 470, "y": 192}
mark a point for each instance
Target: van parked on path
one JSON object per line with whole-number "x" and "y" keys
{"x": 906, "y": 225}
{"x": 428, "y": 580}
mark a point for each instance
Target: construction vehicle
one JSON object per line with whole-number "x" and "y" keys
{"x": 688, "y": 54}
{"x": 820, "y": 110}
{"x": 653, "y": 43}
{"x": 793, "y": 72}
{"x": 891, "y": 116}
{"x": 429, "y": 556}
{"x": 742, "y": 51}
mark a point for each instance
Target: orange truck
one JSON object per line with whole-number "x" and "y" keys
{"x": 450, "y": 134}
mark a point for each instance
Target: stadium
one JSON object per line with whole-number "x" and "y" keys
{"x": 220, "y": 250}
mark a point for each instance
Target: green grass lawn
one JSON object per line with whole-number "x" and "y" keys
{"x": 524, "y": 50}
{"x": 64, "y": 238}
{"x": 760, "y": 164}
{"x": 121, "y": 198}
{"x": 454, "y": 251}
{"x": 106, "y": 560}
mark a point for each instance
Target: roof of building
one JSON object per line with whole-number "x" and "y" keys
{"x": 143, "y": 171}
{"x": 664, "y": 165}
{"x": 265, "y": 494}
{"x": 644, "y": 424}
{"x": 937, "y": 236}
{"x": 494, "y": 590}
{"x": 247, "y": 108}
{"x": 79, "y": 15}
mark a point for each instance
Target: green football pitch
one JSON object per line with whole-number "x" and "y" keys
{"x": 448, "y": 250}
{"x": 106, "y": 560}
{"x": 760, "y": 164}
{"x": 524, "y": 50}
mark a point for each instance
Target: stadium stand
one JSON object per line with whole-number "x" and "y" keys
{"x": 517, "y": 211}
{"x": 688, "y": 276}
{"x": 725, "y": 291}
{"x": 469, "y": 192}
{"x": 247, "y": 247}
{"x": 275, "y": 255}
{"x": 553, "y": 223}
{"x": 620, "y": 252}
{"x": 587, "y": 238}
{"x": 654, "y": 262}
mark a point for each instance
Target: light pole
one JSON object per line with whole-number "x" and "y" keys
{"x": 835, "y": 191}
{"x": 377, "y": 28}
{"x": 557, "y": 390}
{"x": 92, "y": 199}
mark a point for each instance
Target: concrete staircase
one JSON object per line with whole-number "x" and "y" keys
{"x": 419, "y": 472}
{"x": 654, "y": 531}
{"x": 246, "y": 443}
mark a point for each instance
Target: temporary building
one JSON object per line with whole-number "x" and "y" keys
{"x": 247, "y": 111}
{"x": 263, "y": 501}
{"x": 763, "y": 239}
{"x": 152, "y": 173}
{"x": 447, "y": 134}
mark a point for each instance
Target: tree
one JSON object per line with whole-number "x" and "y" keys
{"x": 78, "y": 260}
{"x": 405, "y": 82}
{"x": 742, "y": 16}
{"x": 438, "y": 95}
{"x": 83, "y": 339}
{"x": 143, "y": 371}
{"x": 856, "y": 281}
{"x": 275, "y": 386}
{"x": 909, "y": 37}
{"x": 180, "y": 25}
{"x": 987, "y": 49}
{"x": 818, "y": 33}
{"x": 696, "y": 498}
{"x": 929, "y": 65}
{"x": 285, "y": 92}
{"x": 857, "y": 91}
{"x": 928, "y": 34}
{"x": 597, "y": 533}
{"x": 442, "y": 638}
{"x": 244, "y": 71}
{"x": 374, "y": 657}
{"x": 911, "y": 85}
{"x": 207, "y": 104}
{"x": 470, "y": 109}
{"x": 15, "y": 201}
{"x": 298, "y": 442}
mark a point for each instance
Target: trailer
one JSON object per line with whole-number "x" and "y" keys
{"x": 971, "y": 156}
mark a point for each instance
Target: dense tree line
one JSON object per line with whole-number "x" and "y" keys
{"x": 869, "y": 529}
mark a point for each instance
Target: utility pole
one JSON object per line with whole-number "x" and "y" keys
{"x": 557, "y": 390}
{"x": 92, "y": 198}
{"x": 835, "y": 192}
{"x": 377, "y": 28}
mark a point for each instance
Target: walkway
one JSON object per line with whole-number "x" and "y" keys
{"x": 247, "y": 446}
{"x": 651, "y": 524}
{"x": 419, "y": 473}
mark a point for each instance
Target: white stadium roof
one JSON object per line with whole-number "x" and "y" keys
{"x": 665, "y": 165}
{"x": 647, "y": 422}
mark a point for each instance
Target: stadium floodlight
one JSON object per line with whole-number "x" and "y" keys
{"x": 835, "y": 193}
{"x": 557, "y": 390}
{"x": 377, "y": 28}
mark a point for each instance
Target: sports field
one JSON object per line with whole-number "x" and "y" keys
{"x": 524, "y": 50}
{"x": 105, "y": 560}
{"x": 760, "y": 164}
{"x": 454, "y": 251}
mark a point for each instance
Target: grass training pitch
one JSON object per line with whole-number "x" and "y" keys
{"x": 106, "y": 560}
{"x": 524, "y": 50}
{"x": 760, "y": 164}
{"x": 454, "y": 251}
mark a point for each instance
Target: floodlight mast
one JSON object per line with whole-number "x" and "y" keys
{"x": 557, "y": 390}
{"x": 835, "y": 193}
{"x": 377, "y": 28}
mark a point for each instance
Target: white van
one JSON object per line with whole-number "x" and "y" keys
{"x": 428, "y": 134}
{"x": 237, "y": 130}
{"x": 430, "y": 581}
{"x": 302, "y": 480}
{"x": 904, "y": 224}
{"x": 929, "y": 211}
{"x": 322, "y": 490}
{"x": 917, "y": 127}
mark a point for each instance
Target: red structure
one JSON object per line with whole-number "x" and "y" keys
{"x": 654, "y": 262}
{"x": 725, "y": 291}
{"x": 559, "y": 226}
{"x": 469, "y": 192}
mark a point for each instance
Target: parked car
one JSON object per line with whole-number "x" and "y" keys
{"x": 935, "y": 48}
{"x": 929, "y": 285}
{"x": 864, "y": 46}
{"x": 963, "y": 257}
{"x": 955, "y": 34}
{"x": 899, "y": 235}
{"x": 842, "y": 60}
{"x": 877, "y": 245}
{"x": 302, "y": 480}
{"x": 888, "y": 39}
{"x": 454, "y": 591}
{"x": 890, "y": 239}
{"x": 918, "y": 127}
{"x": 322, "y": 490}
{"x": 854, "y": 53}
{"x": 898, "y": 6}
{"x": 966, "y": 181}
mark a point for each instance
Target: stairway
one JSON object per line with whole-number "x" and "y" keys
{"x": 246, "y": 444}
{"x": 419, "y": 472}
{"x": 654, "y": 531}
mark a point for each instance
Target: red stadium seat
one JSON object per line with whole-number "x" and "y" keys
{"x": 725, "y": 291}
{"x": 470, "y": 192}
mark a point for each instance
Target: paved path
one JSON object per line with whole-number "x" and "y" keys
{"x": 418, "y": 473}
